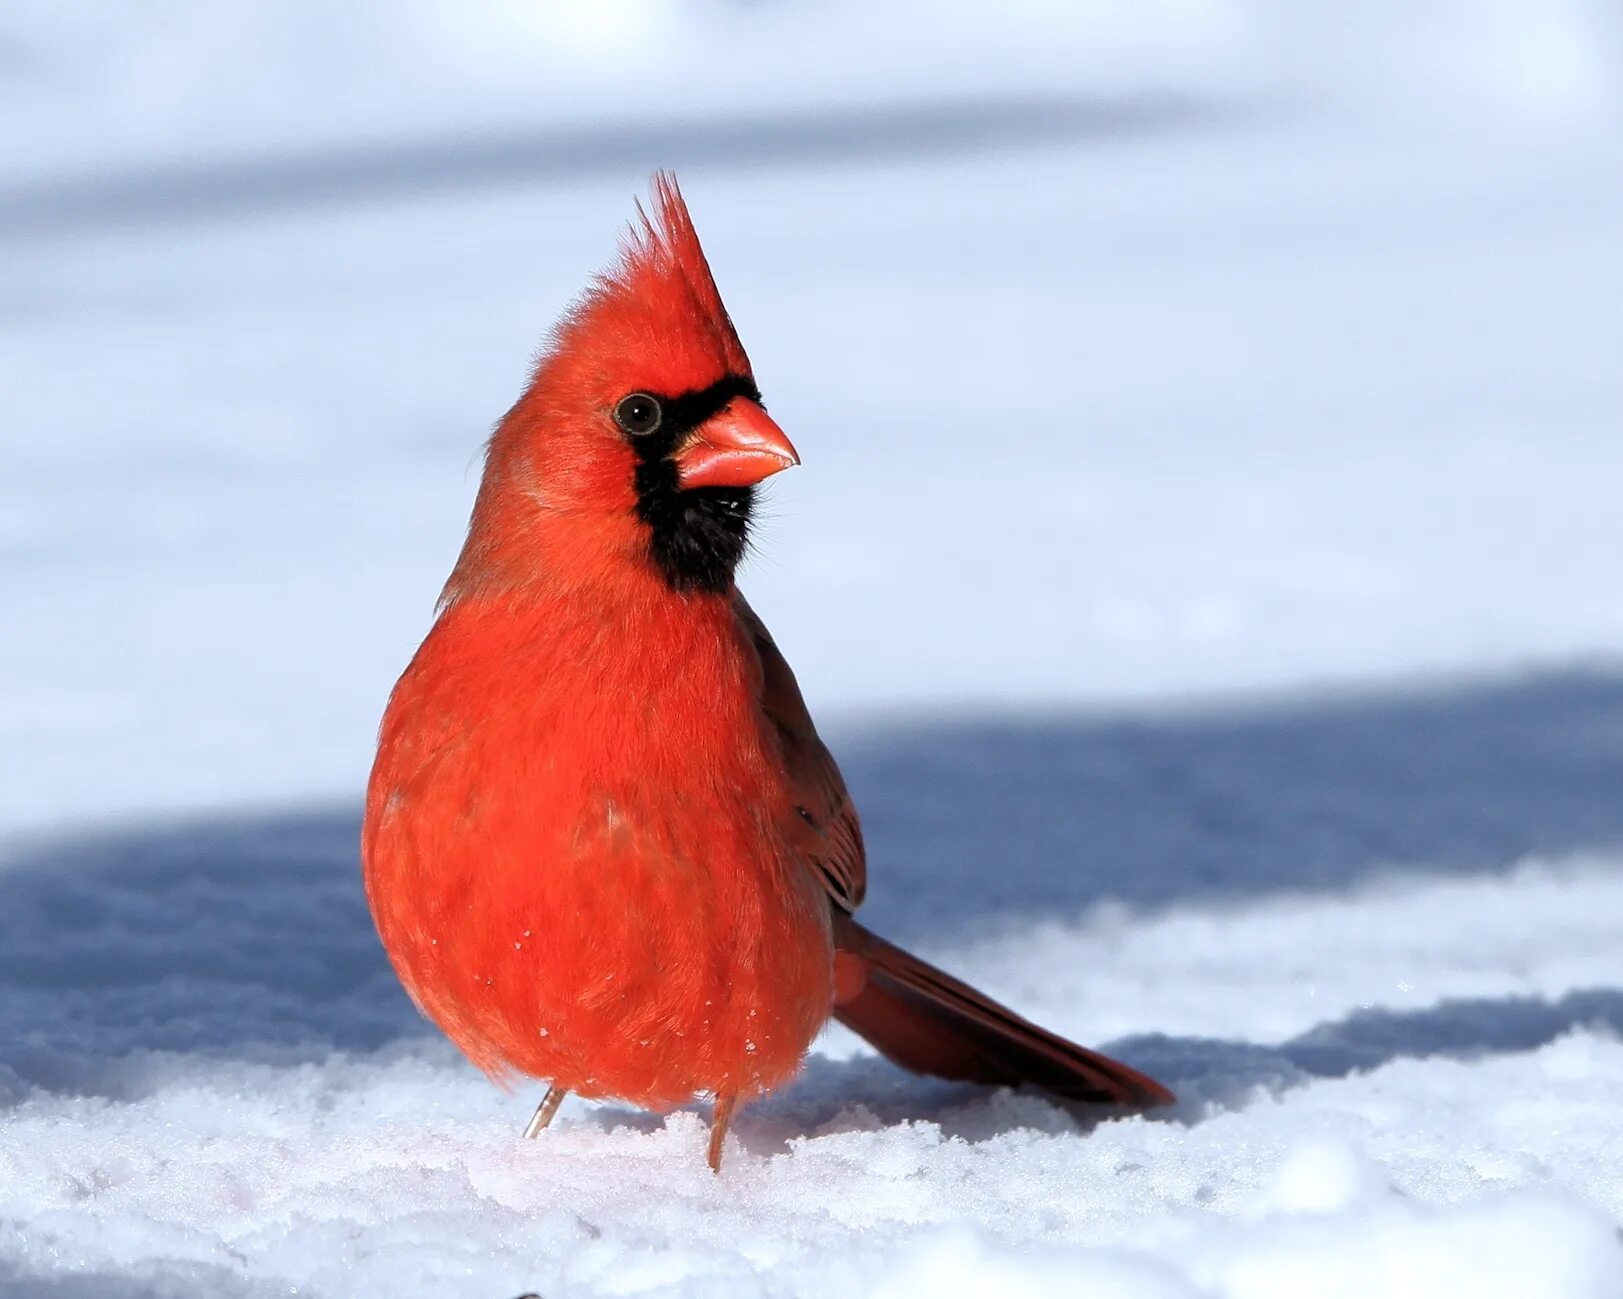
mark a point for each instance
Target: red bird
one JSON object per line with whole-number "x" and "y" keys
{"x": 604, "y": 845}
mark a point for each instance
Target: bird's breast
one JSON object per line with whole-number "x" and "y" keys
{"x": 575, "y": 856}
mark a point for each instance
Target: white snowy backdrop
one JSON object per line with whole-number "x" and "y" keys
{"x": 1206, "y": 563}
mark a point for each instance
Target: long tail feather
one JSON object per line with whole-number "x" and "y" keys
{"x": 927, "y": 1021}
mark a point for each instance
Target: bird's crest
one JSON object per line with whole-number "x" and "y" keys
{"x": 660, "y": 295}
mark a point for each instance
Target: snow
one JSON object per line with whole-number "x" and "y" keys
{"x": 1204, "y": 563}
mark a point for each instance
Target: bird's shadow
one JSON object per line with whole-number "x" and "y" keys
{"x": 247, "y": 936}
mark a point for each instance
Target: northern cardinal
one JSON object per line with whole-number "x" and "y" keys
{"x": 604, "y": 845}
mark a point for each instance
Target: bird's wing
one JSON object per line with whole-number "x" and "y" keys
{"x": 826, "y": 832}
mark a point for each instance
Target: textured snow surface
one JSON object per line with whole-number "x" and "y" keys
{"x": 194, "y": 1106}
{"x": 1204, "y": 562}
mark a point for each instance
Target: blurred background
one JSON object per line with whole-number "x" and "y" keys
{"x": 1140, "y": 354}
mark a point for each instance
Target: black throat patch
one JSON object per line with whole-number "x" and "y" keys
{"x": 696, "y": 537}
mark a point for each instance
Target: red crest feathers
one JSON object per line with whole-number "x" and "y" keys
{"x": 658, "y": 307}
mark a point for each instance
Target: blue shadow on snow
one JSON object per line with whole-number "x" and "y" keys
{"x": 247, "y": 936}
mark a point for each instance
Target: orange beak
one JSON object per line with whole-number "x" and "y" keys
{"x": 737, "y": 447}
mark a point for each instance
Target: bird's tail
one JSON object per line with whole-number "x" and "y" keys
{"x": 927, "y": 1021}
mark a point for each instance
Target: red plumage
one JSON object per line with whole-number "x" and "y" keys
{"x": 604, "y": 845}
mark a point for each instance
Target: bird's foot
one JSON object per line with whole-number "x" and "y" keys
{"x": 720, "y": 1117}
{"x": 544, "y": 1112}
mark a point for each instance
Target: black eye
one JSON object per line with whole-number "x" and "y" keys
{"x": 638, "y": 414}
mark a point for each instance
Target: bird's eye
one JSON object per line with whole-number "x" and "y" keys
{"x": 638, "y": 414}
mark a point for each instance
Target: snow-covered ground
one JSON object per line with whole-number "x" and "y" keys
{"x": 1205, "y": 562}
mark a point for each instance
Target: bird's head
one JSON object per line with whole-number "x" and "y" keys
{"x": 641, "y": 436}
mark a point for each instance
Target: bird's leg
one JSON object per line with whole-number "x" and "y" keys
{"x": 545, "y": 1110}
{"x": 720, "y": 1117}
